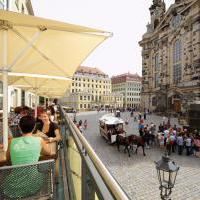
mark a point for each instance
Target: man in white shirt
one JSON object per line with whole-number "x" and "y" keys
{"x": 188, "y": 144}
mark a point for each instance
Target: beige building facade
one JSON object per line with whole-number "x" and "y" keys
{"x": 171, "y": 56}
{"x": 112, "y": 100}
{"x": 79, "y": 101}
{"x": 87, "y": 88}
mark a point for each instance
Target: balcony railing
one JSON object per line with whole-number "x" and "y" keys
{"x": 87, "y": 177}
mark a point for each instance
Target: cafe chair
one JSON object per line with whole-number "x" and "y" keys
{"x": 15, "y": 130}
{"x": 29, "y": 181}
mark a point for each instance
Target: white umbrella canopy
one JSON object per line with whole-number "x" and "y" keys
{"x": 35, "y": 45}
{"x": 42, "y": 46}
{"x": 44, "y": 85}
{"x": 39, "y": 84}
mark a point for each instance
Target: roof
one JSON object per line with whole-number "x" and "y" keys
{"x": 126, "y": 77}
{"x": 111, "y": 120}
{"x": 90, "y": 70}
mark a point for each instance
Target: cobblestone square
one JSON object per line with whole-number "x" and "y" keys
{"x": 137, "y": 174}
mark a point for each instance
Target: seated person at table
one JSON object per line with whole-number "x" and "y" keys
{"x": 24, "y": 150}
{"x": 49, "y": 128}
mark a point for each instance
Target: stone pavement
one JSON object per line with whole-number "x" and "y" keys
{"x": 137, "y": 174}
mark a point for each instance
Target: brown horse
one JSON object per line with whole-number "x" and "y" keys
{"x": 139, "y": 141}
{"x": 124, "y": 141}
{"x": 129, "y": 141}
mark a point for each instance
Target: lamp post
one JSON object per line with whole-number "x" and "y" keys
{"x": 167, "y": 171}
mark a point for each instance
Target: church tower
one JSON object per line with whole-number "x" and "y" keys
{"x": 157, "y": 11}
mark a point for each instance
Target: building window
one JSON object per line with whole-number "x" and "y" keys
{"x": 17, "y": 4}
{"x": 72, "y": 84}
{"x": 157, "y": 65}
{"x": 22, "y": 9}
{"x": 80, "y": 105}
{"x": 157, "y": 68}
{"x": 23, "y": 98}
{"x": 84, "y": 105}
{"x": 177, "y": 67}
{"x": 1, "y": 102}
{"x": 1, "y": 4}
{"x": 81, "y": 98}
{"x": 157, "y": 81}
{"x": 1, "y": 87}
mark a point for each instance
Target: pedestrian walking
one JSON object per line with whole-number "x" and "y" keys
{"x": 145, "y": 116}
{"x": 180, "y": 143}
{"x": 188, "y": 145}
{"x": 85, "y": 124}
{"x": 169, "y": 145}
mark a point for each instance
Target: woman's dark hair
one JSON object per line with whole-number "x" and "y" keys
{"x": 27, "y": 124}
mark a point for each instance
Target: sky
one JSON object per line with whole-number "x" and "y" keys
{"x": 126, "y": 19}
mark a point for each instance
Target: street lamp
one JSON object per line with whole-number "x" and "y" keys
{"x": 167, "y": 171}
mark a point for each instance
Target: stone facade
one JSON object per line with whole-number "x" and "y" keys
{"x": 171, "y": 56}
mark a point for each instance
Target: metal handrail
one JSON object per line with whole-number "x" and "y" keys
{"x": 114, "y": 187}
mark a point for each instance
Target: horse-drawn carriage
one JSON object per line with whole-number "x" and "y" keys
{"x": 110, "y": 127}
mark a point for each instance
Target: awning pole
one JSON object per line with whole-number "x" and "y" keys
{"x": 5, "y": 91}
{"x": 36, "y": 103}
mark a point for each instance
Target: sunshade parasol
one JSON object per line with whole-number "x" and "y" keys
{"x": 49, "y": 86}
{"x": 35, "y": 45}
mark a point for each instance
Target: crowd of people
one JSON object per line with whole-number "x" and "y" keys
{"x": 174, "y": 139}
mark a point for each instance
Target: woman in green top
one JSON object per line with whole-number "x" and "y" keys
{"x": 25, "y": 150}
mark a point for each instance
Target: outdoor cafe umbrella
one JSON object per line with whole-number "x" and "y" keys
{"x": 40, "y": 84}
{"x": 35, "y": 45}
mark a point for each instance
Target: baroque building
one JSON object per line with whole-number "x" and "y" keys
{"x": 88, "y": 86}
{"x": 91, "y": 89}
{"x": 129, "y": 85}
{"x": 171, "y": 56}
